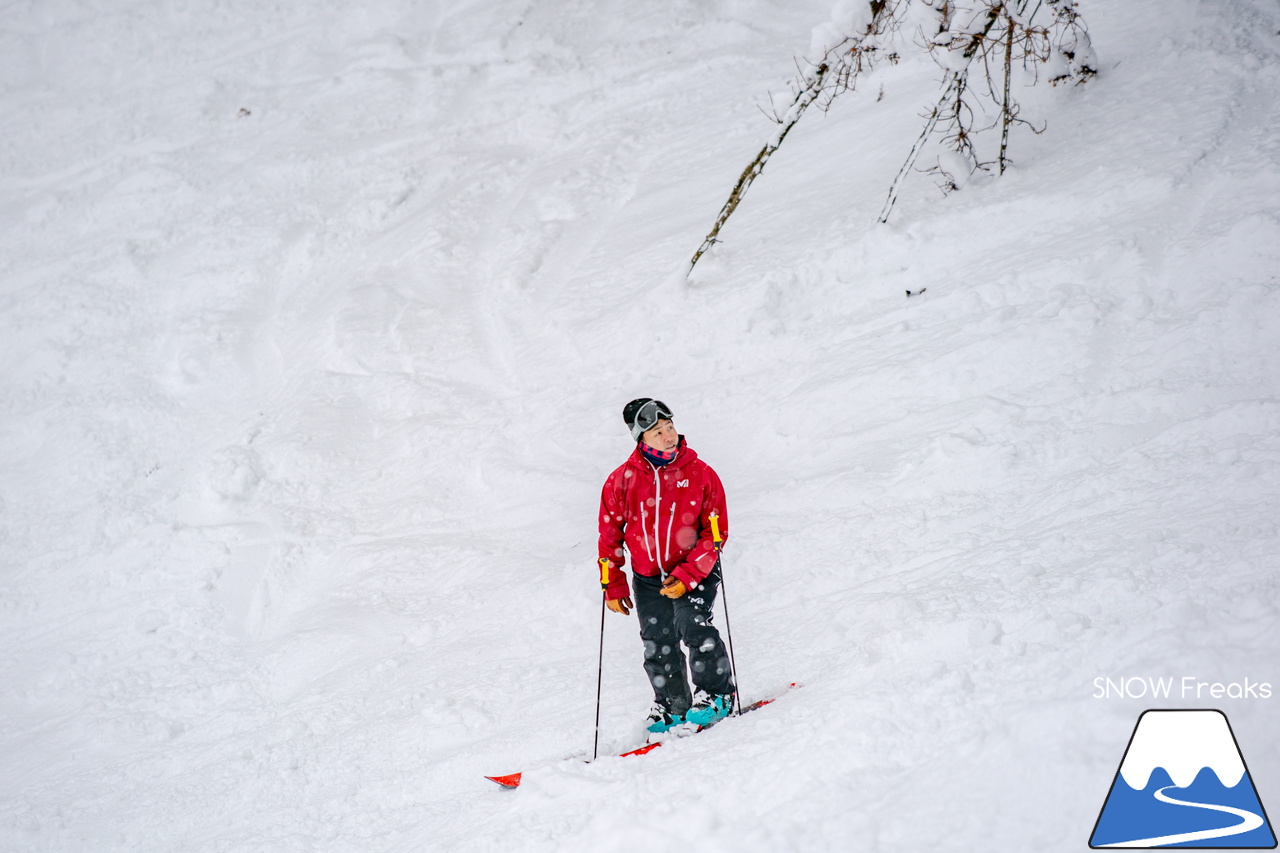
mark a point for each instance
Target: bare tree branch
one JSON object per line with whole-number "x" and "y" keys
{"x": 835, "y": 73}
{"x": 957, "y": 42}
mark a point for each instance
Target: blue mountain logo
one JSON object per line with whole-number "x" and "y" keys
{"x": 1183, "y": 783}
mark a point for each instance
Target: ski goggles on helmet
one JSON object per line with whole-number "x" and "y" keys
{"x": 647, "y": 417}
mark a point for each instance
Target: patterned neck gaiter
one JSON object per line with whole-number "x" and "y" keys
{"x": 657, "y": 457}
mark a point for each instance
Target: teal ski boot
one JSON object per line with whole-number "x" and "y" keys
{"x": 660, "y": 719}
{"x": 708, "y": 709}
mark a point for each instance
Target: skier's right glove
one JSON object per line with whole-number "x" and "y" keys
{"x": 622, "y": 604}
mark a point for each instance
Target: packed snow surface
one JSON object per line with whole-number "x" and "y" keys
{"x": 316, "y": 324}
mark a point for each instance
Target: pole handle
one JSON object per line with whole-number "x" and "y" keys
{"x": 715, "y": 530}
{"x": 605, "y": 565}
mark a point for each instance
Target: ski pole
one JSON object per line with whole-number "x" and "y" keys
{"x": 724, "y": 602}
{"x": 604, "y": 595}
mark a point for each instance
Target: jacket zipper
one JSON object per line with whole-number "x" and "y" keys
{"x": 657, "y": 512}
{"x": 671, "y": 519}
{"x": 645, "y": 531}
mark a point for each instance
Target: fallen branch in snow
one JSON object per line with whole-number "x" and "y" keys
{"x": 934, "y": 114}
{"x": 806, "y": 97}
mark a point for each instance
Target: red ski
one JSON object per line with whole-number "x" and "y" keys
{"x": 512, "y": 780}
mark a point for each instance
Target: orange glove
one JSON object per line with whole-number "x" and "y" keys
{"x": 619, "y": 605}
{"x": 673, "y": 587}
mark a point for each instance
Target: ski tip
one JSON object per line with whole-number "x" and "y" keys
{"x": 510, "y": 781}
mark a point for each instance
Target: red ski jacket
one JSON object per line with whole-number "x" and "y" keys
{"x": 663, "y": 518}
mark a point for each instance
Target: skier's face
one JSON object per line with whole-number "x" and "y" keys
{"x": 662, "y": 437}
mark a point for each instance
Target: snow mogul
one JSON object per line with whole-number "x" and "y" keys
{"x": 666, "y": 508}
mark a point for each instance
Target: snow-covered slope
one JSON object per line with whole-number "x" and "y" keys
{"x": 317, "y": 322}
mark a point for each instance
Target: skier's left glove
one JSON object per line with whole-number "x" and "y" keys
{"x": 673, "y": 587}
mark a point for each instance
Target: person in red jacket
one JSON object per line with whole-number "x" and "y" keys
{"x": 657, "y": 508}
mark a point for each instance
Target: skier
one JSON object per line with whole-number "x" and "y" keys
{"x": 659, "y": 507}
